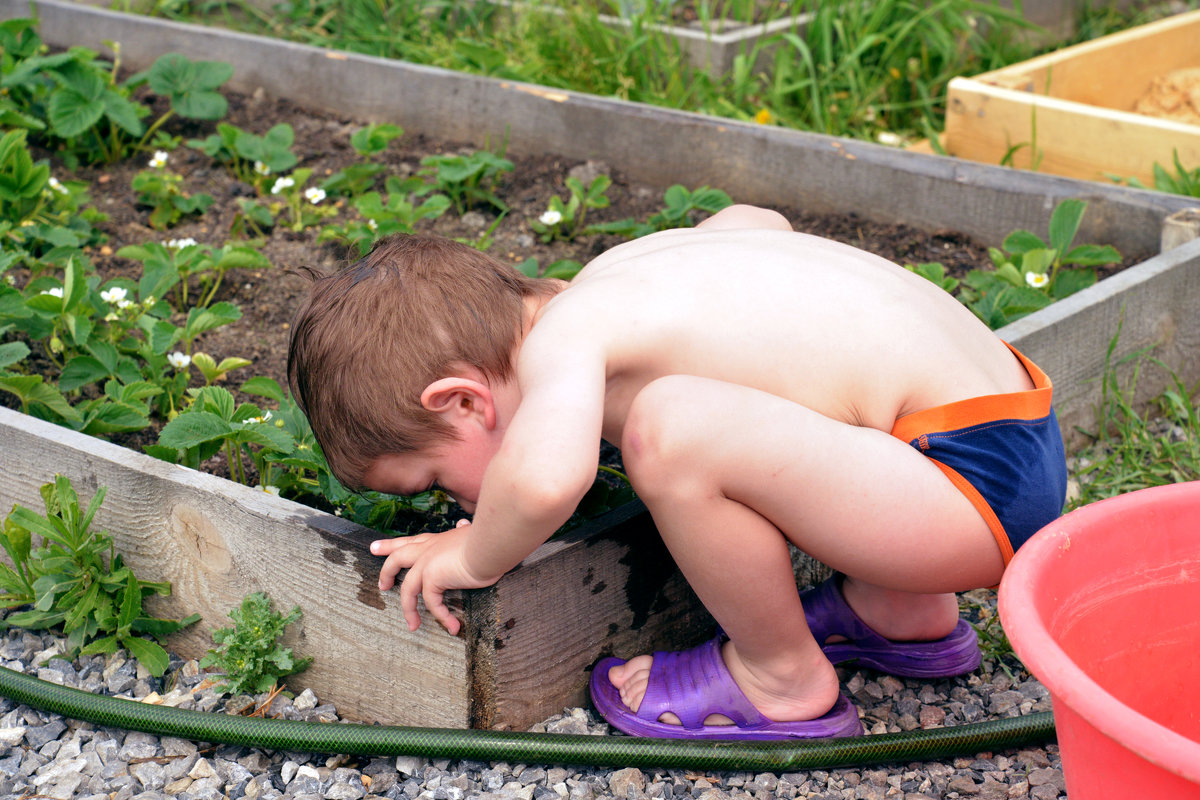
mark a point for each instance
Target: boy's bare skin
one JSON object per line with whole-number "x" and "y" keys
{"x": 750, "y": 376}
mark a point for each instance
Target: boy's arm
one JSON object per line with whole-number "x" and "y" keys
{"x": 545, "y": 465}
{"x": 547, "y": 461}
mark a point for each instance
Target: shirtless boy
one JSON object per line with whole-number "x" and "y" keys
{"x": 763, "y": 385}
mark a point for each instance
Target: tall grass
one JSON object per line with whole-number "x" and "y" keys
{"x": 1134, "y": 449}
{"x": 859, "y": 67}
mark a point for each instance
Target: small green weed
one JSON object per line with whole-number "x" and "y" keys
{"x": 468, "y": 180}
{"x": 77, "y": 581}
{"x": 249, "y": 157}
{"x": 679, "y": 206}
{"x": 1028, "y": 273}
{"x": 88, "y": 114}
{"x": 565, "y": 220}
{"x": 356, "y": 179}
{"x": 1133, "y": 449}
{"x": 302, "y": 205}
{"x": 162, "y": 191}
{"x": 1183, "y": 181}
{"x": 248, "y": 655}
{"x": 379, "y": 215}
{"x": 993, "y": 641}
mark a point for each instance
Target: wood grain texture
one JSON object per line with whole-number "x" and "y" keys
{"x": 217, "y": 541}
{"x": 1071, "y": 112}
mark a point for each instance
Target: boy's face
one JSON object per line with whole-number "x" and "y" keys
{"x": 456, "y": 466}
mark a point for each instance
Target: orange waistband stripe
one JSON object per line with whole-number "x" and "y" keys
{"x": 1030, "y": 404}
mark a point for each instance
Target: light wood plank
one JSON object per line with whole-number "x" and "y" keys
{"x": 1110, "y": 72}
{"x": 984, "y": 122}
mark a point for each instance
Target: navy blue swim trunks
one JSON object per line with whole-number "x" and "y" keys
{"x": 1003, "y": 451}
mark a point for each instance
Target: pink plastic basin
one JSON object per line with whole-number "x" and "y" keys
{"x": 1103, "y": 606}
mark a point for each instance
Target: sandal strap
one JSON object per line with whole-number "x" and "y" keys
{"x": 693, "y": 684}
{"x": 828, "y": 614}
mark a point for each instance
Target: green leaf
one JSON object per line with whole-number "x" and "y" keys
{"x": 35, "y": 620}
{"x": 1064, "y": 222}
{"x": 1092, "y": 255}
{"x": 161, "y": 628}
{"x": 105, "y": 417}
{"x": 1019, "y": 242}
{"x": 82, "y": 609}
{"x": 76, "y": 108}
{"x": 262, "y": 386}
{"x": 1070, "y": 281}
{"x": 193, "y": 428}
{"x": 123, "y": 113}
{"x": 131, "y": 603}
{"x": 104, "y": 646}
{"x": 206, "y": 319}
{"x": 37, "y": 524}
{"x": 148, "y": 653}
{"x": 12, "y": 352}
{"x": 81, "y": 371}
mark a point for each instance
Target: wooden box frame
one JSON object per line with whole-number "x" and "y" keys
{"x": 529, "y": 642}
{"x": 1070, "y": 112}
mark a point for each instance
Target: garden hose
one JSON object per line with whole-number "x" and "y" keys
{"x": 524, "y": 747}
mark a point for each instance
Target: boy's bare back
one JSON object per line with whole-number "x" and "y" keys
{"x": 843, "y": 332}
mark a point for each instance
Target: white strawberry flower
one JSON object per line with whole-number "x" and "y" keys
{"x": 114, "y": 295}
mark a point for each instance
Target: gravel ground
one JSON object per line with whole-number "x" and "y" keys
{"x": 46, "y": 756}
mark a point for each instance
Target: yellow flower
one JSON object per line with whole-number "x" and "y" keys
{"x": 764, "y": 117}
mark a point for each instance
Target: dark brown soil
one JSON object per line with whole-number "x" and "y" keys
{"x": 268, "y": 298}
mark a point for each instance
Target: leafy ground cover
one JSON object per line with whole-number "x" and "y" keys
{"x": 857, "y": 69}
{"x": 875, "y": 71}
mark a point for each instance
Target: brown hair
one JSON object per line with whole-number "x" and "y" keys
{"x": 370, "y": 337}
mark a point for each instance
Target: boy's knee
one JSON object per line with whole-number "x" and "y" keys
{"x": 657, "y": 433}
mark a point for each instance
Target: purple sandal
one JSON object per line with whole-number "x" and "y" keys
{"x": 695, "y": 683}
{"x": 827, "y": 614}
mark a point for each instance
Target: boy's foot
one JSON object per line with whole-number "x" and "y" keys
{"x": 694, "y": 685}
{"x": 828, "y": 615}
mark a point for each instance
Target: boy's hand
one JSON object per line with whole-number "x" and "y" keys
{"x": 435, "y": 564}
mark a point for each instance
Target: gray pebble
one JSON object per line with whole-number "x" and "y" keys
{"x": 42, "y": 753}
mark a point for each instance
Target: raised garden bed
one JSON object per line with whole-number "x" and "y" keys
{"x": 1110, "y": 107}
{"x": 608, "y": 587}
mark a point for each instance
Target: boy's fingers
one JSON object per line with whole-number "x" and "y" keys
{"x": 409, "y": 590}
{"x": 441, "y": 612}
{"x": 390, "y": 569}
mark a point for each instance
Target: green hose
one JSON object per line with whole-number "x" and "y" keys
{"x": 546, "y": 748}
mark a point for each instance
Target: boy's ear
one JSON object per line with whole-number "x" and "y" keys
{"x": 460, "y": 397}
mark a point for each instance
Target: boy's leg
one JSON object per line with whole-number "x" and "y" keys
{"x": 730, "y": 472}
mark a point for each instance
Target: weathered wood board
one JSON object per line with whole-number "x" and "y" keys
{"x": 1071, "y": 112}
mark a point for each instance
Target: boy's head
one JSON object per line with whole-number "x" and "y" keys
{"x": 369, "y": 338}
